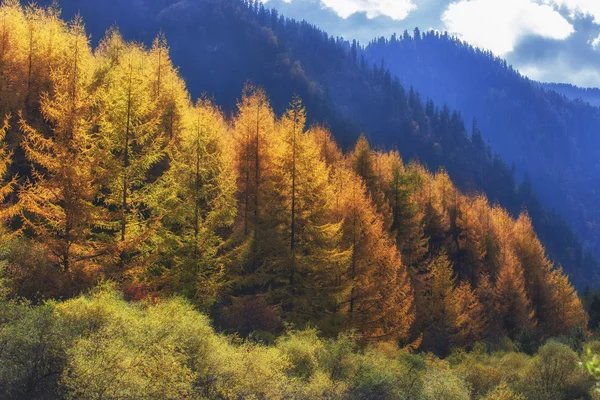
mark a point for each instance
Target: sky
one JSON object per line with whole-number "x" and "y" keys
{"x": 547, "y": 40}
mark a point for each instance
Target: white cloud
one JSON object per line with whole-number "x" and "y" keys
{"x": 396, "y": 9}
{"x": 586, "y": 7}
{"x": 595, "y": 43}
{"x": 498, "y": 25}
{"x": 559, "y": 71}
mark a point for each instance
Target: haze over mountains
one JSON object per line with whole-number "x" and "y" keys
{"x": 219, "y": 44}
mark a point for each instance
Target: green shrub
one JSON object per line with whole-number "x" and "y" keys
{"x": 101, "y": 346}
{"x": 513, "y": 368}
{"x": 593, "y": 346}
{"x": 477, "y": 372}
{"x": 33, "y": 346}
{"x": 380, "y": 376}
{"x": 302, "y": 350}
{"x": 441, "y": 383}
{"x": 126, "y": 349}
{"x": 503, "y": 392}
{"x": 555, "y": 374}
{"x": 337, "y": 358}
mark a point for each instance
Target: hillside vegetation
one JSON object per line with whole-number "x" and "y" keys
{"x": 220, "y": 44}
{"x": 260, "y": 222}
{"x": 100, "y": 346}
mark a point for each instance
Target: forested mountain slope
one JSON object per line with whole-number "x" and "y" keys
{"x": 124, "y": 178}
{"x": 555, "y": 139}
{"x": 135, "y": 208}
{"x": 219, "y": 44}
{"x": 589, "y": 95}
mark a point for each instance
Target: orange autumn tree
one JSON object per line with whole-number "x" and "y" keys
{"x": 58, "y": 203}
{"x": 379, "y": 303}
{"x": 470, "y": 237}
{"x": 471, "y": 321}
{"x": 557, "y": 306}
{"x": 513, "y": 306}
{"x": 439, "y": 310}
{"x": 365, "y": 163}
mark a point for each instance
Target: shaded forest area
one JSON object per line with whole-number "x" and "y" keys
{"x": 130, "y": 212}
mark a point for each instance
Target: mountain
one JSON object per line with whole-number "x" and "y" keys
{"x": 220, "y": 44}
{"x": 588, "y": 95}
{"x": 551, "y": 137}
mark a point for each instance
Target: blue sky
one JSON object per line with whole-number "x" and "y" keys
{"x": 547, "y": 40}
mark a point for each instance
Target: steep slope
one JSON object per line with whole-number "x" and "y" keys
{"x": 551, "y": 137}
{"x": 219, "y": 44}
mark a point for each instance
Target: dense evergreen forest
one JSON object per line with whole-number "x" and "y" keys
{"x": 219, "y": 44}
{"x": 547, "y": 135}
{"x": 588, "y": 95}
{"x": 132, "y": 214}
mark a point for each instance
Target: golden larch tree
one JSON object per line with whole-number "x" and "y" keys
{"x": 58, "y": 203}
{"x": 130, "y": 135}
{"x": 197, "y": 195}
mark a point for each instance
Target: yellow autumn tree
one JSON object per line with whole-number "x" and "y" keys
{"x": 300, "y": 276}
{"x": 168, "y": 90}
{"x": 13, "y": 62}
{"x": 9, "y": 183}
{"x": 258, "y": 212}
{"x": 197, "y": 193}
{"x": 130, "y": 135}
{"x": 58, "y": 203}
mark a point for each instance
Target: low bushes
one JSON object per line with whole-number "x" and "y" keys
{"x": 101, "y": 346}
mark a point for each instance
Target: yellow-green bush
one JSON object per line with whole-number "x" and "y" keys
{"x": 480, "y": 373}
{"x": 101, "y": 346}
{"x": 302, "y": 350}
{"x": 503, "y": 392}
{"x": 441, "y": 383}
{"x": 554, "y": 373}
{"x": 513, "y": 367}
{"x": 33, "y": 347}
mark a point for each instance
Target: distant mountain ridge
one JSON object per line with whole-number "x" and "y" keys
{"x": 537, "y": 127}
{"x": 588, "y": 95}
{"x": 219, "y": 44}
